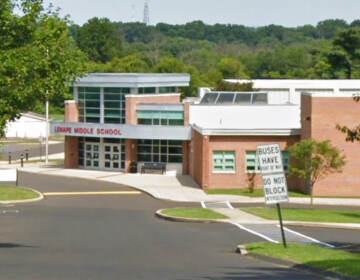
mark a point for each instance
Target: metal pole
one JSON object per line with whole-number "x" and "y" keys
{"x": 40, "y": 148}
{"x": 281, "y": 225}
{"x": 47, "y": 131}
{"x": 9, "y": 157}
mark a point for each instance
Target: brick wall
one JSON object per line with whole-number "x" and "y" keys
{"x": 199, "y": 157}
{"x": 71, "y": 143}
{"x": 130, "y": 153}
{"x": 203, "y": 159}
{"x": 132, "y": 101}
{"x": 325, "y": 114}
{"x": 71, "y": 152}
{"x": 71, "y": 111}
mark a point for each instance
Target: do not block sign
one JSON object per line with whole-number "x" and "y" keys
{"x": 272, "y": 170}
{"x": 275, "y": 188}
{"x": 270, "y": 161}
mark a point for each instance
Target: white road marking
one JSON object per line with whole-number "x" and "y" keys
{"x": 254, "y": 232}
{"x": 308, "y": 237}
{"x": 216, "y": 204}
{"x": 9, "y": 211}
{"x": 92, "y": 193}
{"x": 229, "y": 204}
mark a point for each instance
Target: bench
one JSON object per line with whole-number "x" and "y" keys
{"x": 153, "y": 166}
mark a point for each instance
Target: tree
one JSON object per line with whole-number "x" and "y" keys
{"x": 39, "y": 59}
{"x": 100, "y": 39}
{"x": 225, "y": 86}
{"x": 313, "y": 160}
{"x": 127, "y": 64}
{"x": 231, "y": 68}
{"x": 328, "y": 28}
{"x": 346, "y": 51}
{"x": 352, "y": 134}
{"x": 169, "y": 65}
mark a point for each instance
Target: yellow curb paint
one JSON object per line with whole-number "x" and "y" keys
{"x": 92, "y": 193}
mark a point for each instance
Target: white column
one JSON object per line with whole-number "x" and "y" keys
{"x": 102, "y": 105}
{"x": 47, "y": 132}
{"x": 76, "y": 93}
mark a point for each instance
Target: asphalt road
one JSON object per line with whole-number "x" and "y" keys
{"x": 118, "y": 237}
{"x": 33, "y": 150}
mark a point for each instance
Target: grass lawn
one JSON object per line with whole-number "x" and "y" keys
{"x": 57, "y": 161}
{"x": 57, "y": 117}
{"x": 18, "y": 141}
{"x": 326, "y": 258}
{"x": 246, "y": 192}
{"x": 192, "y": 212}
{"x": 16, "y": 193}
{"x": 308, "y": 215}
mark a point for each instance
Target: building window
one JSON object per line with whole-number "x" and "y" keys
{"x": 224, "y": 162}
{"x": 147, "y": 90}
{"x": 89, "y": 104}
{"x": 166, "y": 151}
{"x": 161, "y": 117}
{"x": 114, "y": 105}
{"x": 167, "y": 89}
{"x": 253, "y": 166}
{"x": 81, "y": 152}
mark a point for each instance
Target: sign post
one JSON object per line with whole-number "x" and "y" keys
{"x": 41, "y": 139}
{"x": 269, "y": 159}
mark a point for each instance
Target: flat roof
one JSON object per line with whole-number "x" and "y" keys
{"x": 160, "y": 107}
{"x": 133, "y": 80}
{"x": 300, "y": 83}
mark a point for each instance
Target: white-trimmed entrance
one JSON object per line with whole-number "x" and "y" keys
{"x": 102, "y": 153}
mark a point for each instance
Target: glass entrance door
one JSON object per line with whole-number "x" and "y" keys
{"x": 92, "y": 155}
{"x": 112, "y": 156}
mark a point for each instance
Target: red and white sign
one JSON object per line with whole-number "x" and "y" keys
{"x": 123, "y": 131}
{"x": 269, "y": 159}
{"x": 84, "y": 130}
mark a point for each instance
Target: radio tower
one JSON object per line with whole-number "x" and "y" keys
{"x": 146, "y": 19}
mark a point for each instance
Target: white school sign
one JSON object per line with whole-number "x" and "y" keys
{"x": 270, "y": 161}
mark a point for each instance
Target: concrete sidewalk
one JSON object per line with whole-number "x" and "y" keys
{"x": 180, "y": 188}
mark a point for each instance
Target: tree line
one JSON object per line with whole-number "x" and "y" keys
{"x": 211, "y": 53}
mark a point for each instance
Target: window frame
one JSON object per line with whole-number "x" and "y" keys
{"x": 160, "y": 149}
{"x": 224, "y": 165}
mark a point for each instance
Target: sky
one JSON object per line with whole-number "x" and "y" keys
{"x": 290, "y": 13}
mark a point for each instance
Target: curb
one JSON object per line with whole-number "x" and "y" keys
{"x": 175, "y": 200}
{"x": 191, "y": 220}
{"x": 323, "y": 225}
{"x": 41, "y": 197}
{"x": 302, "y": 267}
{"x": 159, "y": 214}
{"x": 115, "y": 183}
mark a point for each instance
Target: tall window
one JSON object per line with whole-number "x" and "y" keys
{"x": 253, "y": 166}
{"x": 160, "y": 151}
{"x": 167, "y": 89}
{"x": 224, "y": 162}
{"x": 89, "y": 104}
{"x": 114, "y": 104}
{"x": 147, "y": 90}
{"x": 161, "y": 117}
